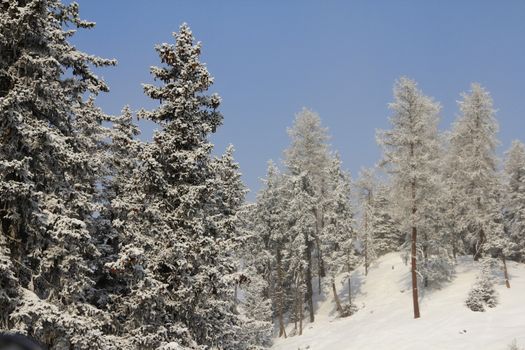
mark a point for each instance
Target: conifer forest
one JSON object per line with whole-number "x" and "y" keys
{"x": 110, "y": 240}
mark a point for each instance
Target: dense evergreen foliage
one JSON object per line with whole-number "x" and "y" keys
{"x": 108, "y": 242}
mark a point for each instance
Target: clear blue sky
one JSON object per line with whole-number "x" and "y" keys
{"x": 340, "y": 58}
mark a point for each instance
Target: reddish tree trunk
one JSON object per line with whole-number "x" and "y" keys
{"x": 349, "y": 291}
{"x": 505, "y": 273}
{"x": 301, "y": 316}
{"x": 308, "y": 278}
{"x": 320, "y": 262}
{"x": 337, "y": 301}
{"x": 415, "y": 296}
{"x": 280, "y": 306}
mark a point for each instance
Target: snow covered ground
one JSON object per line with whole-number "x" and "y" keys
{"x": 384, "y": 319}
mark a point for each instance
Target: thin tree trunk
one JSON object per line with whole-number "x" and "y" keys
{"x": 296, "y": 308}
{"x": 268, "y": 291}
{"x": 301, "y": 316}
{"x": 308, "y": 277}
{"x": 369, "y": 200}
{"x": 479, "y": 245}
{"x": 280, "y": 306}
{"x": 415, "y": 296}
{"x": 366, "y": 255}
{"x": 505, "y": 273}
{"x": 235, "y": 300}
{"x": 454, "y": 248}
{"x": 320, "y": 262}
{"x": 349, "y": 291}
{"x": 425, "y": 257}
{"x": 337, "y": 301}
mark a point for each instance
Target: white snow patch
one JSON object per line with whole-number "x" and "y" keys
{"x": 385, "y": 321}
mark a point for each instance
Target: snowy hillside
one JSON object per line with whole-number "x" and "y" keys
{"x": 384, "y": 319}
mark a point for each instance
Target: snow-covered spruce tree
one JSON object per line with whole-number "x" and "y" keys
{"x": 176, "y": 250}
{"x": 124, "y": 151}
{"x": 309, "y": 154}
{"x": 338, "y": 232}
{"x": 271, "y": 224}
{"x": 410, "y": 149}
{"x": 254, "y": 307}
{"x": 366, "y": 186}
{"x": 482, "y": 292}
{"x": 514, "y": 172}
{"x": 123, "y": 160}
{"x": 95, "y": 140}
{"x": 48, "y": 177}
{"x": 474, "y": 178}
{"x": 385, "y": 231}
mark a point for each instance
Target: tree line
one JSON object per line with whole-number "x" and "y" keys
{"x": 434, "y": 195}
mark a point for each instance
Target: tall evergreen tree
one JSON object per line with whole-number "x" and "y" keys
{"x": 309, "y": 155}
{"x": 297, "y": 255}
{"x": 123, "y": 160}
{"x": 48, "y": 198}
{"x": 270, "y": 222}
{"x": 515, "y": 197}
{"x": 124, "y": 151}
{"x": 366, "y": 185}
{"x": 474, "y": 178}
{"x": 409, "y": 153}
{"x": 178, "y": 242}
{"x": 301, "y": 226}
{"x": 339, "y": 233}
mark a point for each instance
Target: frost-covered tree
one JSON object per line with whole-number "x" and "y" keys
{"x": 296, "y": 252}
{"x": 436, "y": 249}
{"x": 482, "y": 292}
{"x": 366, "y": 185}
{"x": 123, "y": 160}
{"x": 309, "y": 155}
{"x": 515, "y": 197}
{"x": 338, "y": 232}
{"x": 176, "y": 250}
{"x": 385, "y": 231}
{"x": 48, "y": 177}
{"x": 254, "y": 302}
{"x": 448, "y": 198}
{"x": 255, "y": 310}
{"x": 409, "y": 155}
{"x": 96, "y": 140}
{"x": 124, "y": 151}
{"x": 302, "y": 234}
{"x": 270, "y": 224}
{"x": 474, "y": 178}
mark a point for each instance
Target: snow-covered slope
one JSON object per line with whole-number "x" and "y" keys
{"x": 384, "y": 319}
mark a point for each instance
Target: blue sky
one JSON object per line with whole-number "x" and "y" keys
{"x": 340, "y": 58}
